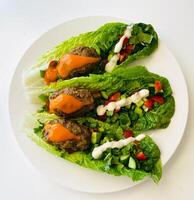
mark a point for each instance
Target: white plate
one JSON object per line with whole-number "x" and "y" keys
{"x": 71, "y": 175}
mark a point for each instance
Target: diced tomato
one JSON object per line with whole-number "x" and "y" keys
{"x": 158, "y": 99}
{"x": 127, "y": 133}
{"x": 125, "y": 41}
{"x": 106, "y": 102}
{"x": 158, "y": 86}
{"x": 141, "y": 156}
{"x": 149, "y": 103}
{"x": 122, "y": 57}
{"x": 129, "y": 48}
{"x": 114, "y": 97}
{"x": 125, "y": 52}
{"x": 102, "y": 117}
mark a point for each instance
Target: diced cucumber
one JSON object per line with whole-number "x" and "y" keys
{"x": 128, "y": 107}
{"x": 105, "y": 139}
{"x": 101, "y": 129}
{"x": 120, "y": 166}
{"x": 110, "y": 56}
{"x": 93, "y": 125}
{"x": 123, "y": 96}
{"x": 140, "y": 103}
{"x": 151, "y": 85}
{"x": 115, "y": 160}
{"x": 95, "y": 137}
{"x": 139, "y": 111}
{"x": 104, "y": 95}
{"x": 109, "y": 113}
{"x": 145, "y": 99}
{"x": 124, "y": 158}
{"x": 132, "y": 163}
{"x": 114, "y": 117}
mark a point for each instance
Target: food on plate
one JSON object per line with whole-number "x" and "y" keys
{"x": 70, "y": 102}
{"x": 67, "y": 135}
{"x": 100, "y": 121}
{"x": 110, "y": 46}
{"x": 131, "y": 97}
{"x": 80, "y": 61}
{"x": 135, "y": 157}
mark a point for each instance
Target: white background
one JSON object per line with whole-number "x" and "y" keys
{"x": 22, "y": 22}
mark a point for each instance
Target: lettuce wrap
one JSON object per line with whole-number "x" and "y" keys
{"x": 126, "y": 81}
{"x": 111, "y": 162}
{"x": 138, "y": 159}
{"x": 142, "y": 42}
{"x": 104, "y": 38}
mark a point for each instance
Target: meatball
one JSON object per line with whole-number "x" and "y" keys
{"x": 85, "y": 51}
{"x": 71, "y": 146}
{"x": 83, "y": 96}
{"x": 88, "y": 68}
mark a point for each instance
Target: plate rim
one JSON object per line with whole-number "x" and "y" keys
{"x": 34, "y": 42}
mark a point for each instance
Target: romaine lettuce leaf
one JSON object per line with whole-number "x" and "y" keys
{"x": 85, "y": 159}
{"x": 127, "y": 80}
{"x": 104, "y": 39}
{"x": 157, "y": 118}
{"x": 121, "y": 79}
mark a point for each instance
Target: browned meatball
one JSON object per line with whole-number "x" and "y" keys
{"x": 81, "y": 95}
{"x": 88, "y": 68}
{"x": 72, "y": 145}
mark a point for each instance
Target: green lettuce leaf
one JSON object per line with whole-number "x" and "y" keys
{"x": 157, "y": 171}
{"x": 44, "y": 117}
{"x": 111, "y": 130}
{"x": 104, "y": 39}
{"x": 85, "y": 159}
{"x": 144, "y": 34}
{"x": 126, "y": 80}
{"x": 153, "y": 162}
{"x": 121, "y": 79}
{"x": 157, "y": 118}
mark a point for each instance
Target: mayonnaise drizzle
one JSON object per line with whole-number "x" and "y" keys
{"x": 135, "y": 98}
{"x": 97, "y": 152}
{"x": 127, "y": 34}
{"x": 113, "y": 61}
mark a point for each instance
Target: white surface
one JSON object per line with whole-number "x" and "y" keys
{"x": 23, "y": 21}
{"x": 68, "y": 174}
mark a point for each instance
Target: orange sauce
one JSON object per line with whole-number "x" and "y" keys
{"x": 69, "y": 62}
{"x": 50, "y": 74}
{"x": 58, "y": 133}
{"x": 65, "y": 103}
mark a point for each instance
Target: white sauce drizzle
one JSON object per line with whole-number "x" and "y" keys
{"x": 113, "y": 61}
{"x": 135, "y": 98}
{"x": 127, "y": 34}
{"x": 97, "y": 152}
